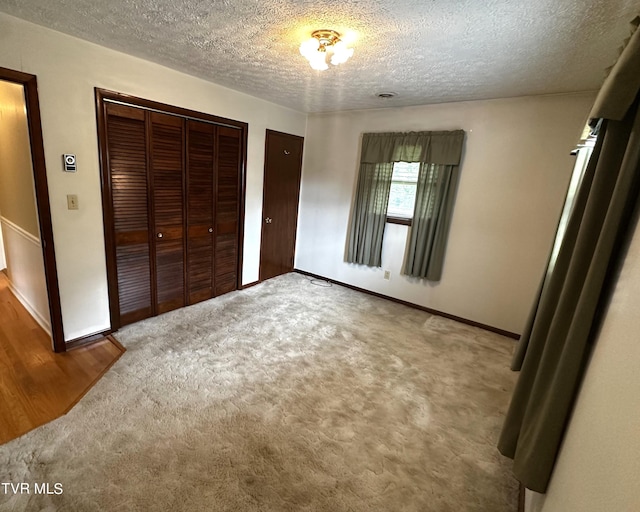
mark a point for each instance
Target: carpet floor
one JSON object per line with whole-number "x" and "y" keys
{"x": 282, "y": 397}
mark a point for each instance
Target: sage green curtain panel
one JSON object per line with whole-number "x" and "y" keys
{"x": 556, "y": 343}
{"x": 379, "y": 152}
{"x": 369, "y": 214}
{"x": 435, "y": 196}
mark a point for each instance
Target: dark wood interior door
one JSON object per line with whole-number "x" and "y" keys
{"x": 166, "y": 151}
{"x": 282, "y": 171}
{"x": 200, "y": 208}
{"x": 127, "y": 167}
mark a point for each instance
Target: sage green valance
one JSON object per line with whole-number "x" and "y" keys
{"x": 623, "y": 81}
{"x": 440, "y": 148}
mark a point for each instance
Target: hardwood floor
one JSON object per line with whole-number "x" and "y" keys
{"x": 36, "y": 384}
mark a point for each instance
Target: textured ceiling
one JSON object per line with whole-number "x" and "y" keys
{"x": 426, "y": 51}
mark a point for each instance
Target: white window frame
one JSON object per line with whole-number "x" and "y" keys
{"x": 395, "y": 217}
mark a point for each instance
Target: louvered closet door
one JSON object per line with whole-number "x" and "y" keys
{"x": 167, "y": 182}
{"x": 200, "y": 193}
{"x": 227, "y": 209}
{"x": 127, "y": 156}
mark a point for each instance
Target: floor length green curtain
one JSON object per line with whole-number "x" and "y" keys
{"x": 369, "y": 214}
{"x": 556, "y": 343}
{"x": 435, "y": 196}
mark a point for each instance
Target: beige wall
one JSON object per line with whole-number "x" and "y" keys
{"x": 17, "y": 199}
{"x": 514, "y": 175}
{"x": 68, "y": 69}
{"x": 598, "y": 468}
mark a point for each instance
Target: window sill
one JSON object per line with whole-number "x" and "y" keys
{"x": 399, "y": 220}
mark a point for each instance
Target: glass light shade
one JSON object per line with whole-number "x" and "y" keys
{"x": 309, "y": 48}
{"x": 318, "y": 61}
{"x": 341, "y": 53}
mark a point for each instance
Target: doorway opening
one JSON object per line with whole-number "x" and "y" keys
{"x": 25, "y": 215}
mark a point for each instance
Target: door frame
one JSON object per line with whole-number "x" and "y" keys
{"x": 30, "y": 85}
{"x": 103, "y": 97}
{"x": 269, "y": 133}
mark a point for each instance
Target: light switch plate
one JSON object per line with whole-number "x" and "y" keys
{"x": 72, "y": 202}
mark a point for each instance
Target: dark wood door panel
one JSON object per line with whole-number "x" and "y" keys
{"x": 170, "y": 275}
{"x": 128, "y": 163}
{"x": 200, "y": 269}
{"x": 132, "y": 237}
{"x": 166, "y": 168}
{"x": 226, "y": 254}
{"x": 167, "y": 183}
{"x": 227, "y": 209}
{"x": 134, "y": 282}
{"x": 226, "y": 283}
{"x": 127, "y": 157}
{"x": 282, "y": 171}
{"x": 200, "y": 210}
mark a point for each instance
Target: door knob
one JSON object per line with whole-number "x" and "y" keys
{"x": 268, "y": 220}
{"x": 210, "y": 230}
{"x": 159, "y": 235}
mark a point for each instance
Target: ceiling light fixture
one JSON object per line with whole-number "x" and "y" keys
{"x": 322, "y": 43}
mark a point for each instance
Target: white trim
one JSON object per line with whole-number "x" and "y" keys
{"x": 42, "y": 322}
{"x": 3, "y": 260}
{"x": 25, "y": 234}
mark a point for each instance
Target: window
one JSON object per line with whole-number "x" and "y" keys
{"x": 419, "y": 194}
{"x": 402, "y": 196}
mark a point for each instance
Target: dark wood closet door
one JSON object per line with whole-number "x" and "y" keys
{"x": 173, "y": 187}
{"x": 166, "y": 148}
{"x": 227, "y": 209}
{"x": 127, "y": 166}
{"x": 200, "y": 192}
{"x": 282, "y": 169}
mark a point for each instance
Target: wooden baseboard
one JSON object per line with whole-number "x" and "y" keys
{"x": 521, "y": 494}
{"x": 473, "y": 323}
{"x": 88, "y": 339}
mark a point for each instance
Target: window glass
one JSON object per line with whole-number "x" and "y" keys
{"x": 402, "y": 196}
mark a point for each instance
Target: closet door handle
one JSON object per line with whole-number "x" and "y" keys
{"x": 210, "y": 230}
{"x": 159, "y": 235}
